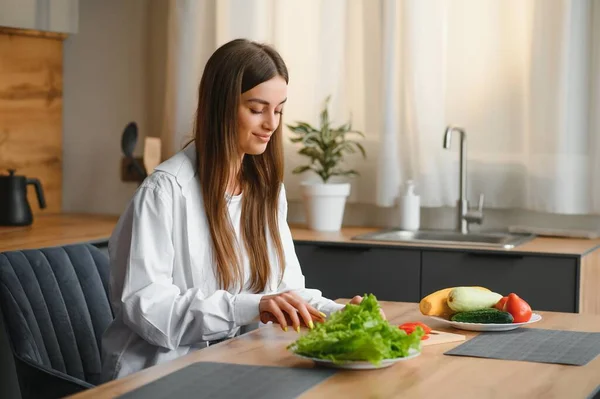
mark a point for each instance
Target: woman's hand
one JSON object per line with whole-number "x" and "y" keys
{"x": 358, "y": 299}
{"x": 287, "y": 309}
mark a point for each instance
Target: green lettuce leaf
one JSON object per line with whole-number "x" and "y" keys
{"x": 358, "y": 333}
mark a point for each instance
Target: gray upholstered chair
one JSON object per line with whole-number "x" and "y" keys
{"x": 55, "y": 308}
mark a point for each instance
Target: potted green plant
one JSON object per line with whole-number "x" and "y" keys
{"x": 325, "y": 147}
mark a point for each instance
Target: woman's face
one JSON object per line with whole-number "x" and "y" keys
{"x": 260, "y": 114}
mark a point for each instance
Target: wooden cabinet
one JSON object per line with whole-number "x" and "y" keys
{"x": 31, "y": 109}
{"x": 342, "y": 271}
{"x": 545, "y": 282}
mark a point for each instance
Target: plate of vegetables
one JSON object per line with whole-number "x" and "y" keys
{"x": 358, "y": 338}
{"x": 478, "y": 309}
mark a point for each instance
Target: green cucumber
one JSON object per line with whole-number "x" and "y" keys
{"x": 487, "y": 316}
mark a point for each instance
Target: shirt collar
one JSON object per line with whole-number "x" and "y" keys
{"x": 182, "y": 165}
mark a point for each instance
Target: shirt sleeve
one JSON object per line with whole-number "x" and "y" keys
{"x": 293, "y": 279}
{"x": 151, "y": 305}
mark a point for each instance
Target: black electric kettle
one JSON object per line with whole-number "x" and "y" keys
{"x": 14, "y": 207}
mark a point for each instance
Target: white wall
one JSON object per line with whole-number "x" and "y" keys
{"x": 105, "y": 87}
{"x": 445, "y": 218}
{"x": 114, "y": 70}
{"x": 44, "y": 15}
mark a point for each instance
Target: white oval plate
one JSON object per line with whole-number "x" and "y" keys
{"x": 487, "y": 326}
{"x": 362, "y": 365}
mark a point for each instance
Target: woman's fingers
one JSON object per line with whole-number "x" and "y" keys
{"x": 356, "y": 300}
{"x": 308, "y": 312}
{"x": 273, "y": 307}
{"x": 315, "y": 314}
{"x": 290, "y": 311}
{"x": 382, "y": 314}
{"x": 301, "y": 308}
{"x": 266, "y": 317}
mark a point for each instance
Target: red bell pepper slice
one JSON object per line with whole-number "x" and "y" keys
{"x": 410, "y": 327}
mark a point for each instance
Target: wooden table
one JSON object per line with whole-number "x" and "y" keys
{"x": 431, "y": 375}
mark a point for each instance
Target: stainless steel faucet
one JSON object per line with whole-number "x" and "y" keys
{"x": 464, "y": 215}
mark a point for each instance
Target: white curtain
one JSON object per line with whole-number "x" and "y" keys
{"x": 521, "y": 76}
{"x": 329, "y": 48}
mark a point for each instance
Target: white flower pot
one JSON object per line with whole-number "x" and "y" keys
{"x": 324, "y": 204}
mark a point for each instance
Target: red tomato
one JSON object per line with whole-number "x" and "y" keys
{"x": 518, "y": 308}
{"x": 501, "y": 302}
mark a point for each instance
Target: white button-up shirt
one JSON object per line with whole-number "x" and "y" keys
{"x": 163, "y": 287}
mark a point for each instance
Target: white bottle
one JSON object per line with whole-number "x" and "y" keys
{"x": 410, "y": 208}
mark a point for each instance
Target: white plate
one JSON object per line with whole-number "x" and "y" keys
{"x": 487, "y": 326}
{"x": 361, "y": 365}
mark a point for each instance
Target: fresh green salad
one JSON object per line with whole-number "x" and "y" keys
{"x": 358, "y": 333}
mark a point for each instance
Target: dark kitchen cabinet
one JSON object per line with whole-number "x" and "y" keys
{"x": 342, "y": 271}
{"x": 545, "y": 282}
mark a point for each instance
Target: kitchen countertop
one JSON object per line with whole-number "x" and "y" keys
{"x": 430, "y": 375}
{"x": 61, "y": 229}
{"x": 50, "y": 230}
{"x": 546, "y": 245}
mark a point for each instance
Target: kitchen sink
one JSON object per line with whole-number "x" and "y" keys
{"x": 447, "y": 237}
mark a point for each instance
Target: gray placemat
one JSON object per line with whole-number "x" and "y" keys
{"x": 595, "y": 394}
{"x": 235, "y": 381}
{"x": 533, "y": 345}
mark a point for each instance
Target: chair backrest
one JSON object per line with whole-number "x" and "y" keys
{"x": 55, "y": 306}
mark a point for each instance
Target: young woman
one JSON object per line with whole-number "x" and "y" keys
{"x": 203, "y": 247}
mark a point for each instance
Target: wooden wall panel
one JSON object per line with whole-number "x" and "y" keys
{"x": 31, "y": 110}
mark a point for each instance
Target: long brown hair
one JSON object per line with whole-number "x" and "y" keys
{"x": 233, "y": 69}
